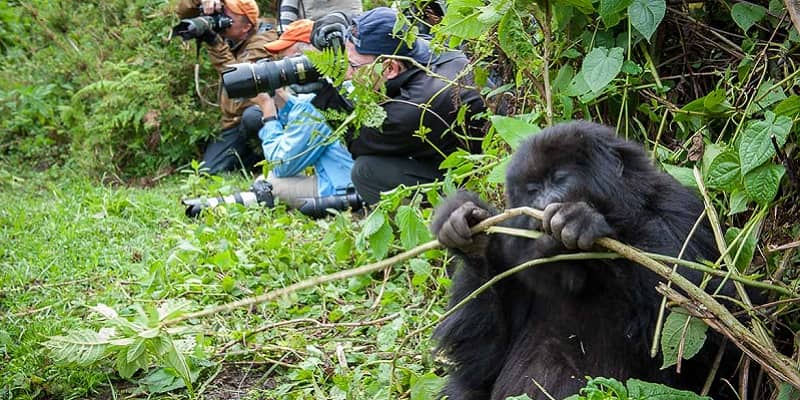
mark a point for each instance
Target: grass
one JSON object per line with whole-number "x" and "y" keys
{"x": 70, "y": 244}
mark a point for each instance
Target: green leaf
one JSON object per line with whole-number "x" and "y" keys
{"x": 631, "y": 68}
{"x": 789, "y": 107}
{"x": 513, "y": 130}
{"x": 380, "y": 241}
{"x": 787, "y": 392}
{"x": 374, "y": 222}
{"x": 498, "y": 173}
{"x": 767, "y": 95}
{"x": 676, "y": 331}
{"x": 426, "y": 387}
{"x": 421, "y": 269}
{"x": 176, "y": 360}
{"x": 641, "y": 390}
{"x": 514, "y": 40}
{"x": 584, "y": 6}
{"x": 747, "y": 14}
{"x": 717, "y": 102}
{"x": 124, "y": 367}
{"x": 723, "y": 172}
{"x": 615, "y": 387}
{"x": 684, "y": 175}
{"x": 461, "y": 19}
{"x": 83, "y": 347}
{"x": 738, "y": 202}
{"x": 387, "y": 335}
{"x": 563, "y": 78}
{"x": 756, "y": 144}
{"x": 743, "y": 249}
{"x": 610, "y": 10}
{"x": 646, "y": 15}
{"x": 762, "y": 183}
{"x": 601, "y": 66}
{"x": 412, "y": 228}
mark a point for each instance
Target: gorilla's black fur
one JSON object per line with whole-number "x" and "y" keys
{"x": 559, "y": 322}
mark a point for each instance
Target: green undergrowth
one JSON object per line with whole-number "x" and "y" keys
{"x": 74, "y": 252}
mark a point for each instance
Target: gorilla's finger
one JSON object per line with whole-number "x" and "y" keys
{"x": 460, "y": 219}
{"x": 569, "y": 235}
{"x": 450, "y": 237}
{"x": 549, "y": 213}
{"x": 478, "y": 214}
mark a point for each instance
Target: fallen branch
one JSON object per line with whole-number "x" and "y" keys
{"x": 774, "y": 362}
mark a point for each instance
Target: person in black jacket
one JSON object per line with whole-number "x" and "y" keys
{"x": 418, "y": 102}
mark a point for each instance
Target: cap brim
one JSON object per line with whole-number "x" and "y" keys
{"x": 279, "y": 45}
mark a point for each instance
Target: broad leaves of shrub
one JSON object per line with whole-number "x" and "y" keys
{"x": 646, "y": 15}
{"x": 676, "y": 330}
{"x": 762, "y": 183}
{"x": 601, "y": 66}
{"x": 747, "y": 14}
{"x": 756, "y": 145}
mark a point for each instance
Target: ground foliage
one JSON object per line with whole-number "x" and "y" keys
{"x": 90, "y": 273}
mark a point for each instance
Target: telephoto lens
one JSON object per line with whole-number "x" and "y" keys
{"x": 246, "y": 80}
{"x": 260, "y": 194}
{"x": 317, "y": 207}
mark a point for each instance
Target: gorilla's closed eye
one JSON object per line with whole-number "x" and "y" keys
{"x": 533, "y": 187}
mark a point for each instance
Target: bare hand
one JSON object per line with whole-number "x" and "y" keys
{"x": 211, "y": 6}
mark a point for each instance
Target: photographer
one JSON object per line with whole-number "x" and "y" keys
{"x": 395, "y": 153}
{"x": 242, "y": 41}
{"x": 295, "y": 136}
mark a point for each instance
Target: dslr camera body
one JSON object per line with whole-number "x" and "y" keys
{"x": 198, "y": 27}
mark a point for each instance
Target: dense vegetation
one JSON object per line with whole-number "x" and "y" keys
{"x": 97, "y": 262}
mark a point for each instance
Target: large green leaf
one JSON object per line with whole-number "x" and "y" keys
{"x": 461, "y": 19}
{"x": 756, "y": 144}
{"x": 610, "y": 10}
{"x": 789, "y": 107}
{"x": 747, "y": 14}
{"x": 513, "y": 130}
{"x": 684, "y": 175}
{"x": 723, "y": 172}
{"x": 426, "y": 387}
{"x": 412, "y": 229}
{"x": 676, "y": 331}
{"x": 646, "y": 15}
{"x": 601, "y": 66}
{"x": 743, "y": 249}
{"x": 584, "y": 6}
{"x": 641, "y": 390}
{"x": 514, "y": 40}
{"x": 762, "y": 183}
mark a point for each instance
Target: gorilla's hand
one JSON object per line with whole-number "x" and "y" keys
{"x": 577, "y": 225}
{"x": 453, "y": 220}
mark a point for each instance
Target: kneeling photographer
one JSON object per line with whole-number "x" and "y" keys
{"x": 295, "y": 136}
{"x": 232, "y": 32}
{"x": 416, "y": 101}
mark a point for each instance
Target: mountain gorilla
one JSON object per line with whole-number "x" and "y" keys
{"x": 556, "y": 323}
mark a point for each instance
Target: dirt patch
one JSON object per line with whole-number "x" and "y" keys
{"x": 236, "y": 381}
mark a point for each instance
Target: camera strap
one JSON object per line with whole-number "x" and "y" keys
{"x": 197, "y": 76}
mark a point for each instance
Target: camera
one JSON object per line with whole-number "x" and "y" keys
{"x": 194, "y": 28}
{"x": 247, "y": 80}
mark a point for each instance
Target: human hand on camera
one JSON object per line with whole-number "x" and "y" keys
{"x": 266, "y": 103}
{"x": 211, "y": 6}
{"x": 333, "y": 25}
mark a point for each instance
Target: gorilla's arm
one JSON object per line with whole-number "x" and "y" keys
{"x": 475, "y": 337}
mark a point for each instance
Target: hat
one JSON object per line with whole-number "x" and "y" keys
{"x": 371, "y": 33}
{"x": 297, "y": 31}
{"x": 248, "y": 8}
